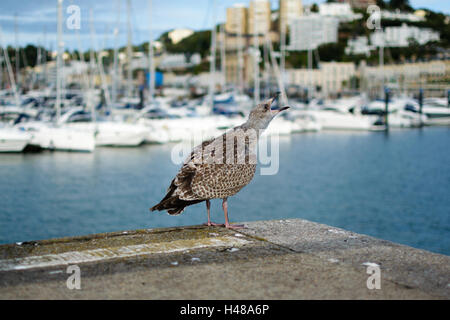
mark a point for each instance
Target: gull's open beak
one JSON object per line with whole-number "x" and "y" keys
{"x": 272, "y": 100}
{"x": 277, "y": 111}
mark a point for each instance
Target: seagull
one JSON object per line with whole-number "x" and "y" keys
{"x": 219, "y": 168}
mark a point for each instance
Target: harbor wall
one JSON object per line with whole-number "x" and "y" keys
{"x": 277, "y": 259}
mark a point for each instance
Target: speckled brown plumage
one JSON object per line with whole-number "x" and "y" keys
{"x": 220, "y": 167}
{"x": 208, "y": 173}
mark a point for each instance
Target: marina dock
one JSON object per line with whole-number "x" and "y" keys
{"x": 277, "y": 259}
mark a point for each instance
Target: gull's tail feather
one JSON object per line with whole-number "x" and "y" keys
{"x": 172, "y": 203}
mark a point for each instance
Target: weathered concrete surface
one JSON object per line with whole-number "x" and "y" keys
{"x": 410, "y": 267}
{"x": 288, "y": 259}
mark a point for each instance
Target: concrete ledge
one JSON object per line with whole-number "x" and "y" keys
{"x": 280, "y": 259}
{"x": 410, "y": 267}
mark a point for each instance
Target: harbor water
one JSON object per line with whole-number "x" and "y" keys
{"x": 393, "y": 186}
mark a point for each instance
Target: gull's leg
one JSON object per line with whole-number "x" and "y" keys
{"x": 210, "y": 223}
{"x": 225, "y": 211}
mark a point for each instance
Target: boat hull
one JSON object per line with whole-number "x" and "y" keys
{"x": 59, "y": 138}
{"x": 13, "y": 140}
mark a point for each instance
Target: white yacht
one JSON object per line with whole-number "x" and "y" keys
{"x": 402, "y": 113}
{"x": 282, "y": 127}
{"x": 107, "y": 132}
{"x": 13, "y": 139}
{"x": 436, "y": 115}
{"x": 304, "y": 122}
{"x": 58, "y": 137}
{"x": 165, "y": 127}
{"x": 331, "y": 118}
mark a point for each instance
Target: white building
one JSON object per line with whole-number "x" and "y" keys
{"x": 236, "y": 22}
{"x": 405, "y": 16}
{"x": 289, "y": 10}
{"x": 359, "y": 45}
{"x": 407, "y": 71}
{"x": 310, "y": 31}
{"x": 341, "y": 11}
{"x": 399, "y": 36}
{"x": 259, "y": 17}
{"x": 177, "y": 35}
{"x": 330, "y": 76}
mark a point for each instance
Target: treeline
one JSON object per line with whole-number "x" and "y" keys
{"x": 27, "y": 56}
{"x": 198, "y": 42}
{"x": 402, "y": 5}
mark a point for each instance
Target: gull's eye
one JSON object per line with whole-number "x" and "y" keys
{"x": 266, "y": 107}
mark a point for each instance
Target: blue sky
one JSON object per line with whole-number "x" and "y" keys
{"x": 36, "y": 16}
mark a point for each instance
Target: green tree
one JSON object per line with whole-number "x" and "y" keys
{"x": 331, "y": 51}
{"x": 381, "y": 4}
{"x": 400, "y": 4}
{"x": 197, "y": 42}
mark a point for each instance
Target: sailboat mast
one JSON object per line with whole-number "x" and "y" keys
{"x": 92, "y": 61}
{"x": 256, "y": 93}
{"x": 276, "y": 70}
{"x": 86, "y": 83}
{"x": 266, "y": 69}
{"x": 34, "y": 79}
{"x": 17, "y": 59}
{"x": 99, "y": 61}
{"x": 10, "y": 71}
{"x": 1, "y": 72}
{"x": 92, "y": 68}
{"x": 1, "y": 65}
{"x": 310, "y": 82}
{"x": 58, "y": 61}
{"x": 239, "y": 55}
{"x": 116, "y": 35}
{"x": 223, "y": 56}
{"x": 151, "y": 65}
{"x": 212, "y": 64}
{"x": 381, "y": 63}
{"x": 129, "y": 52}
{"x": 45, "y": 57}
{"x": 283, "y": 46}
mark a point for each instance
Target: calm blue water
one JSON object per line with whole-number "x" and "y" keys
{"x": 395, "y": 187}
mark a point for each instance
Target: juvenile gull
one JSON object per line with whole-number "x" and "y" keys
{"x": 219, "y": 168}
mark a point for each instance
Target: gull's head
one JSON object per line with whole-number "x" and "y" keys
{"x": 262, "y": 114}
